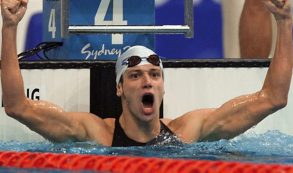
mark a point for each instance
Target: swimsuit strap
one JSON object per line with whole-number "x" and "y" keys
{"x": 166, "y": 137}
{"x": 164, "y": 128}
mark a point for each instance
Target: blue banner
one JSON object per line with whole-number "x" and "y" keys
{"x": 99, "y": 12}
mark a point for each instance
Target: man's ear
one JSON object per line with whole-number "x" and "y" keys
{"x": 119, "y": 89}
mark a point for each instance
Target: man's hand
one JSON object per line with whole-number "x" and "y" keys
{"x": 12, "y": 11}
{"x": 279, "y": 3}
{"x": 281, "y": 9}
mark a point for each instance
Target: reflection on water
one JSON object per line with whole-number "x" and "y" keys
{"x": 271, "y": 147}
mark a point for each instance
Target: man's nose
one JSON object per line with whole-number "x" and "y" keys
{"x": 147, "y": 83}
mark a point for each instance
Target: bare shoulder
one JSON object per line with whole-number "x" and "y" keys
{"x": 110, "y": 122}
{"x": 194, "y": 115}
{"x": 98, "y": 129}
{"x": 91, "y": 119}
{"x": 188, "y": 126}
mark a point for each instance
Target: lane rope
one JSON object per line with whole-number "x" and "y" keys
{"x": 127, "y": 164}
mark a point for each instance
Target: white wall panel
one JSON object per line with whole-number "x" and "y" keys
{"x": 66, "y": 88}
{"x": 194, "y": 88}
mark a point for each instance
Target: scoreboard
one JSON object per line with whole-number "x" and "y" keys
{"x": 96, "y": 12}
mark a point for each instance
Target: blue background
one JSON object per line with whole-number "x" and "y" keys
{"x": 207, "y": 41}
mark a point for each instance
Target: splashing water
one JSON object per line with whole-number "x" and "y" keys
{"x": 270, "y": 147}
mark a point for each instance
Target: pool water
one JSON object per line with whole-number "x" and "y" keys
{"x": 270, "y": 147}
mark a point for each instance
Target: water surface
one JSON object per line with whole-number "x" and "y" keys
{"x": 270, "y": 147}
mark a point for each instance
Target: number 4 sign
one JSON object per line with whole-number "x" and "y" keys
{"x": 52, "y": 23}
{"x": 116, "y": 20}
{"x": 98, "y": 12}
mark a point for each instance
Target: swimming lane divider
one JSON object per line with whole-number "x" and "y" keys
{"x": 126, "y": 164}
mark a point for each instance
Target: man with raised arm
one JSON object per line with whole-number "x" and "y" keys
{"x": 140, "y": 84}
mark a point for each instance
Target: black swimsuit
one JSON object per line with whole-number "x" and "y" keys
{"x": 166, "y": 137}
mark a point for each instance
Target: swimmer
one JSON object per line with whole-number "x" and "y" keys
{"x": 140, "y": 85}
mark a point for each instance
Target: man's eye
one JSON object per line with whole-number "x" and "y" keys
{"x": 134, "y": 75}
{"x": 156, "y": 75}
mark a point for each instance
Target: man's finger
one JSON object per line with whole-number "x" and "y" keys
{"x": 279, "y": 3}
{"x": 24, "y": 2}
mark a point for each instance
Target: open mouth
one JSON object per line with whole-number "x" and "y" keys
{"x": 147, "y": 100}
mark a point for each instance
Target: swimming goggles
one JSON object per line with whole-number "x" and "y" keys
{"x": 135, "y": 60}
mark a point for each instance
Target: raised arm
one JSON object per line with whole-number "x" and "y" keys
{"x": 12, "y": 84}
{"x": 45, "y": 118}
{"x": 239, "y": 114}
{"x": 255, "y": 30}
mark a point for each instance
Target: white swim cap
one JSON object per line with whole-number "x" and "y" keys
{"x": 141, "y": 51}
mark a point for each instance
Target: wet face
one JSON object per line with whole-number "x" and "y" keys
{"x": 142, "y": 91}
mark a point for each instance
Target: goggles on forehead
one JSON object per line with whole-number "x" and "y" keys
{"x": 135, "y": 60}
